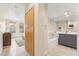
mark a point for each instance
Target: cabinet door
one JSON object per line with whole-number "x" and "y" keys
{"x": 29, "y": 31}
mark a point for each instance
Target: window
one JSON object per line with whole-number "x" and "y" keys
{"x": 12, "y": 29}
{"x": 21, "y": 27}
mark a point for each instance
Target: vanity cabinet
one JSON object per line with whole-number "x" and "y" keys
{"x": 69, "y": 40}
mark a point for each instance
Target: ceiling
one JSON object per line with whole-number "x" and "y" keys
{"x": 12, "y": 11}
{"x": 16, "y": 11}
{"x": 57, "y": 11}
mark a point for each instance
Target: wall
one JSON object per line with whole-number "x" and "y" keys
{"x": 17, "y": 34}
{"x": 2, "y": 30}
{"x": 58, "y": 9}
{"x": 51, "y": 26}
{"x": 41, "y": 29}
{"x": 78, "y": 29}
{"x": 3, "y": 26}
{"x": 39, "y": 26}
{"x": 63, "y": 25}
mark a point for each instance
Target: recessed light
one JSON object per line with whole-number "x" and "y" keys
{"x": 16, "y": 6}
{"x": 66, "y": 14}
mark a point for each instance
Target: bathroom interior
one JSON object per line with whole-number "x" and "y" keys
{"x": 62, "y": 28}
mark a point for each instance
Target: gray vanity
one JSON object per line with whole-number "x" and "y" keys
{"x": 69, "y": 40}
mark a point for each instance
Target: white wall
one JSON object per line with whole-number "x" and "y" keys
{"x": 58, "y": 9}
{"x": 63, "y": 25}
{"x": 51, "y": 26}
{"x": 78, "y": 28}
{"x": 17, "y": 34}
{"x": 3, "y": 26}
{"x": 41, "y": 30}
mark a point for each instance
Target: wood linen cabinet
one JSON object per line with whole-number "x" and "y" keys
{"x": 29, "y": 31}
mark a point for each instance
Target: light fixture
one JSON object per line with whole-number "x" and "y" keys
{"x": 16, "y": 6}
{"x": 66, "y": 14}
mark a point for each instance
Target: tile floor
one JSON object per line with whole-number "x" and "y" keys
{"x": 14, "y": 50}
{"x": 60, "y": 50}
{"x": 53, "y": 50}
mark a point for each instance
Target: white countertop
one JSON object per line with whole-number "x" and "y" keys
{"x": 67, "y": 33}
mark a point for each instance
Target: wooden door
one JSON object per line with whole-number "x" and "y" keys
{"x": 29, "y": 31}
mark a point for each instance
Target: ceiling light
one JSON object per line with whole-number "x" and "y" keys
{"x": 66, "y": 14}
{"x": 16, "y": 6}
